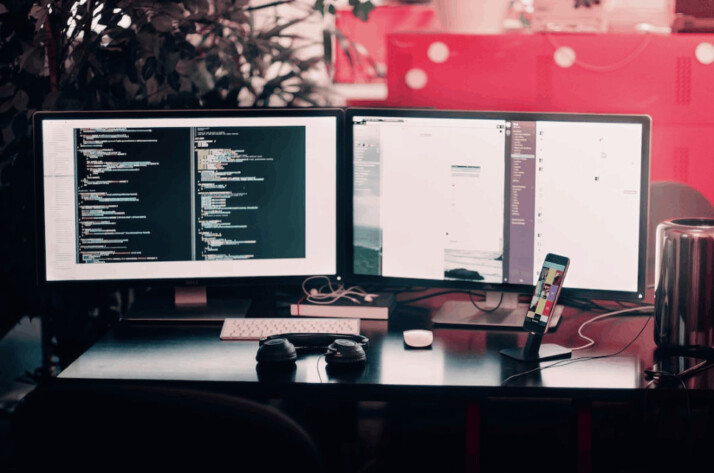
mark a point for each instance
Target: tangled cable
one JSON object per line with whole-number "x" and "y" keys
{"x": 329, "y": 293}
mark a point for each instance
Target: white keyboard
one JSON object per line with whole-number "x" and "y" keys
{"x": 256, "y": 328}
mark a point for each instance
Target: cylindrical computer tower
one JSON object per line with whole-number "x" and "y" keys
{"x": 684, "y": 284}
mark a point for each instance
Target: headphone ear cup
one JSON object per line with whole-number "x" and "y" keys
{"x": 345, "y": 352}
{"x": 277, "y": 351}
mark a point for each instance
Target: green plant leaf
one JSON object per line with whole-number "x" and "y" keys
{"x": 191, "y": 5}
{"x": 8, "y": 135}
{"x": 39, "y": 13}
{"x": 33, "y": 60}
{"x": 184, "y": 67}
{"x": 6, "y": 105}
{"x": 113, "y": 20}
{"x": 149, "y": 68}
{"x": 7, "y": 89}
{"x": 162, "y": 23}
{"x": 21, "y": 100}
{"x": 20, "y": 125}
{"x": 307, "y": 64}
{"x": 187, "y": 26}
{"x": 239, "y": 16}
{"x": 186, "y": 49}
{"x": 174, "y": 80}
{"x": 119, "y": 35}
{"x": 327, "y": 43}
{"x": 131, "y": 89}
{"x": 278, "y": 29}
{"x": 266, "y": 5}
{"x": 202, "y": 79}
{"x": 362, "y": 10}
{"x": 173, "y": 10}
{"x": 345, "y": 45}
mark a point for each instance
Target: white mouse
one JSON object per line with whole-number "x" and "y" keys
{"x": 418, "y": 338}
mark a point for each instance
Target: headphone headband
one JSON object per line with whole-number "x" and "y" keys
{"x": 318, "y": 340}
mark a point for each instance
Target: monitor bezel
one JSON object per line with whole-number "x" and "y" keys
{"x": 386, "y": 281}
{"x": 40, "y": 117}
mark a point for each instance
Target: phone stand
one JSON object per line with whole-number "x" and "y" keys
{"x": 534, "y": 351}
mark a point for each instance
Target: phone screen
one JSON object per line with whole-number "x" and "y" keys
{"x": 547, "y": 289}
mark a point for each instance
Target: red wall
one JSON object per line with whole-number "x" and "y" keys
{"x": 657, "y": 75}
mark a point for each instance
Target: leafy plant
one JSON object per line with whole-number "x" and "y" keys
{"x": 139, "y": 54}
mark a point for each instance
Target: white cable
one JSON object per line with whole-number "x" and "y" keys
{"x": 329, "y": 294}
{"x": 591, "y": 342}
{"x": 646, "y": 38}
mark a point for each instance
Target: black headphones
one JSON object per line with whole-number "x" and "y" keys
{"x": 342, "y": 349}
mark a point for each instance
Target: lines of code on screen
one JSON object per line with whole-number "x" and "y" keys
{"x": 251, "y": 192}
{"x": 133, "y": 194}
{"x": 190, "y": 193}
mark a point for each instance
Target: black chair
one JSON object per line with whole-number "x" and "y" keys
{"x": 128, "y": 428}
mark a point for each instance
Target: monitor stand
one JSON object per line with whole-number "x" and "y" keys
{"x": 534, "y": 351}
{"x": 188, "y": 304}
{"x": 507, "y": 313}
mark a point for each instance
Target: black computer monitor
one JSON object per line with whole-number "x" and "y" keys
{"x": 477, "y": 199}
{"x": 187, "y": 198}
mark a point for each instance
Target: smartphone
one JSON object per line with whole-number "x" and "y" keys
{"x": 546, "y": 293}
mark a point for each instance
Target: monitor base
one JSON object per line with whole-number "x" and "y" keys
{"x": 188, "y": 305}
{"x": 546, "y": 352}
{"x": 510, "y": 314}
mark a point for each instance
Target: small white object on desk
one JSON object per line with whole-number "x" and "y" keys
{"x": 418, "y": 338}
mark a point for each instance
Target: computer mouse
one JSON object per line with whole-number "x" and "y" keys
{"x": 418, "y": 338}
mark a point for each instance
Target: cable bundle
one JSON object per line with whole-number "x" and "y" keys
{"x": 329, "y": 293}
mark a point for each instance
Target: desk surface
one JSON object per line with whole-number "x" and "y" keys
{"x": 462, "y": 363}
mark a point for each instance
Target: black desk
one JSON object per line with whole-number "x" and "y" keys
{"x": 463, "y": 366}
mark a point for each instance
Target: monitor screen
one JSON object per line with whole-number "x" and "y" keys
{"x": 189, "y": 195}
{"x": 477, "y": 199}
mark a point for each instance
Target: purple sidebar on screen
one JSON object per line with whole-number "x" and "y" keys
{"x": 522, "y": 211}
